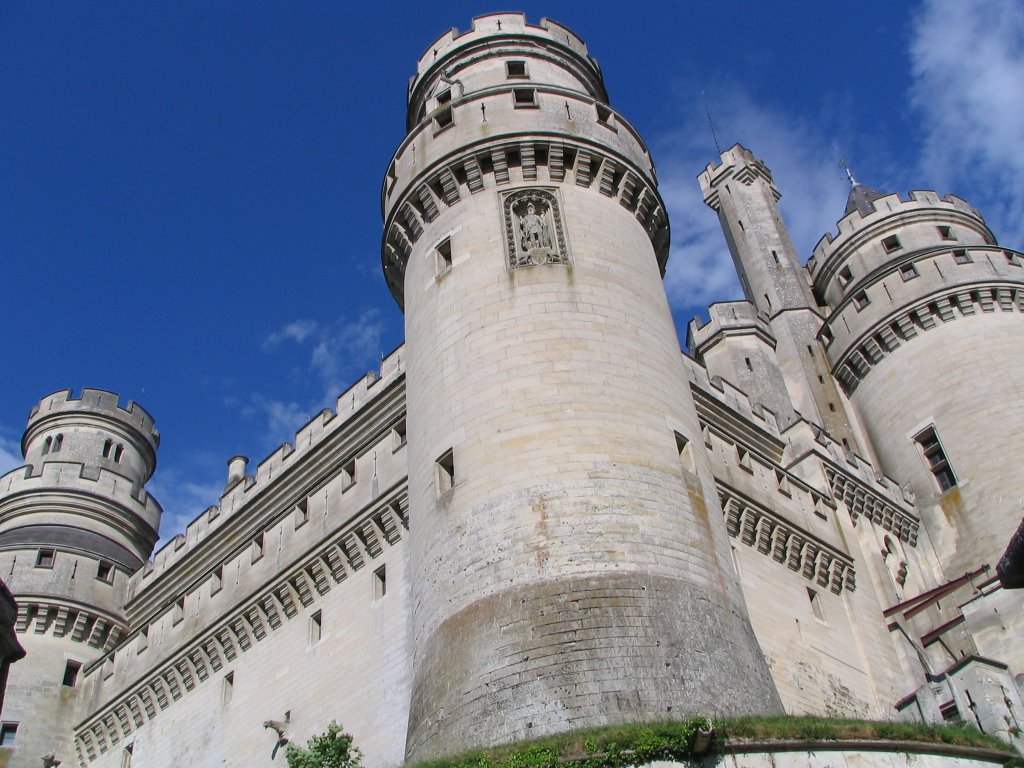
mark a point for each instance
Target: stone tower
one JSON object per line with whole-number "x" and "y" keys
{"x": 741, "y": 190}
{"x": 570, "y": 565}
{"x": 924, "y": 334}
{"x": 75, "y": 521}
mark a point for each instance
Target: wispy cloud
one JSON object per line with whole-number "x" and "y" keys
{"x": 182, "y": 499}
{"x": 341, "y": 351}
{"x": 10, "y": 453}
{"x": 967, "y": 60}
{"x": 297, "y": 331}
{"x": 803, "y": 160}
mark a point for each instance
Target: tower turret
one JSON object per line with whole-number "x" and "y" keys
{"x": 74, "y": 522}
{"x": 570, "y": 565}
{"x": 741, "y": 190}
{"x": 924, "y": 333}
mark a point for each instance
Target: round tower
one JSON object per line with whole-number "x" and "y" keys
{"x": 75, "y": 521}
{"x": 570, "y": 562}
{"x": 924, "y": 334}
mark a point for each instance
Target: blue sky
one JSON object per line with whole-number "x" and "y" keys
{"x": 189, "y": 191}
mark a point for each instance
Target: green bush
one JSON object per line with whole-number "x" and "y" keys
{"x": 332, "y": 749}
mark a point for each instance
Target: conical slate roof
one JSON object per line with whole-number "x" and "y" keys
{"x": 862, "y": 199}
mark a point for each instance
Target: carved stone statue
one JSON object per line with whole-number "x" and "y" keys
{"x": 534, "y": 230}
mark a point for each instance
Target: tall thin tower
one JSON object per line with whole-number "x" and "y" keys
{"x": 570, "y": 566}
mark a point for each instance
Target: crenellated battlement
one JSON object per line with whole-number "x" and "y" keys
{"x": 95, "y": 401}
{"x": 885, "y": 215}
{"x": 738, "y": 163}
{"x": 323, "y": 427}
{"x": 733, "y": 398}
{"x": 498, "y": 25}
{"x": 726, "y": 318}
{"x": 72, "y": 477}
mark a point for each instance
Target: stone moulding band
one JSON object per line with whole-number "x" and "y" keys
{"x": 77, "y": 622}
{"x": 885, "y": 336}
{"x": 861, "y": 501}
{"x": 798, "y": 550}
{"x": 366, "y": 539}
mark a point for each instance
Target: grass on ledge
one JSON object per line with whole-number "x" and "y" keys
{"x": 634, "y": 743}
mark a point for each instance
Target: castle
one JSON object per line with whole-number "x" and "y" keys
{"x": 539, "y": 514}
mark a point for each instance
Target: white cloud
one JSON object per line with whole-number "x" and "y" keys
{"x": 182, "y": 500}
{"x": 803, "y": 162}
{"x": 346, "y": 349}
{"x": 297, "y": 331}
{"x": 967, "y": 61}
{"x": 341, "y": 352}
{"x": 10, "y": 454}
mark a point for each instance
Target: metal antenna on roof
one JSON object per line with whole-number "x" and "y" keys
{"x": 711, "y": 123}
{"x": 849, "y": 175}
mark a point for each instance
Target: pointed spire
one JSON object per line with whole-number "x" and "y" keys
{"x": 861, "y": 198}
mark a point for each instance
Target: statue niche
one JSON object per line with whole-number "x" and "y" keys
{"x": 533, "y": 229}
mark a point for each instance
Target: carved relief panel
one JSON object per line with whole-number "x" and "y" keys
{"x": 534, "y": 231}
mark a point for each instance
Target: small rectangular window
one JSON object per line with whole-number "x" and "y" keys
{"x": 217, "y": 580}
{"x": 105, "y": 572}
{"x": 126, "y": 756}
{"x": 257, "y": 548}
{"x": 861, "y": 300}
{"x": 445, "y": 472}
{"x": 891, "y": 244}
{"x": 143, "y": 643}
{"x": 815, "y": 601}
{"x": 524, "y": 97}
{"x": 398, "y": 435}
{"x": 444, "y": 97}
{"x": 71, "y": 673}
{"x": 1012, "y": 258}
{"x": 743, "y": 459}
{"x": 315, "y": 628}
{"x": 227, "y": 689}
{"x": 380, "y": 583}
{"x": 826, "y": 335}
{"x": 443, "y": 118}
{"x": 845, "y": 276}
{"x": 782, "y": 482}
{"x": 45, "y": 558}
{"x": 962, "y": 257}
{"x": 685, "y": 451}
{"x": 7, "y": 733}
{"x": 515, "y": 69}
{"x": 908, "y": 272}
{"x": 444, "y": 255}
{"x": 348, "y": 474}
{"x": 178, "y": 614}
{"x": 604, "y": 115}
{"x": 934, "y": 454}
{"x": 946, "y": 233}
{"x": 301, "y": 513}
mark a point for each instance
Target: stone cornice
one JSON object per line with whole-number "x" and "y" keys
{"x": 882, "y": 337}
{"x": 563, "y": 160}
{"x": 777, "y": 537}
{"x": 81, "y": 623}
{"x": 861, "y": 500}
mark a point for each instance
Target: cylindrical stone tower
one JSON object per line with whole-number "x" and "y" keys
{"x": 925, "y": 334}
{"x": 570, "y": 565}
{"x": 74, "y": 523}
